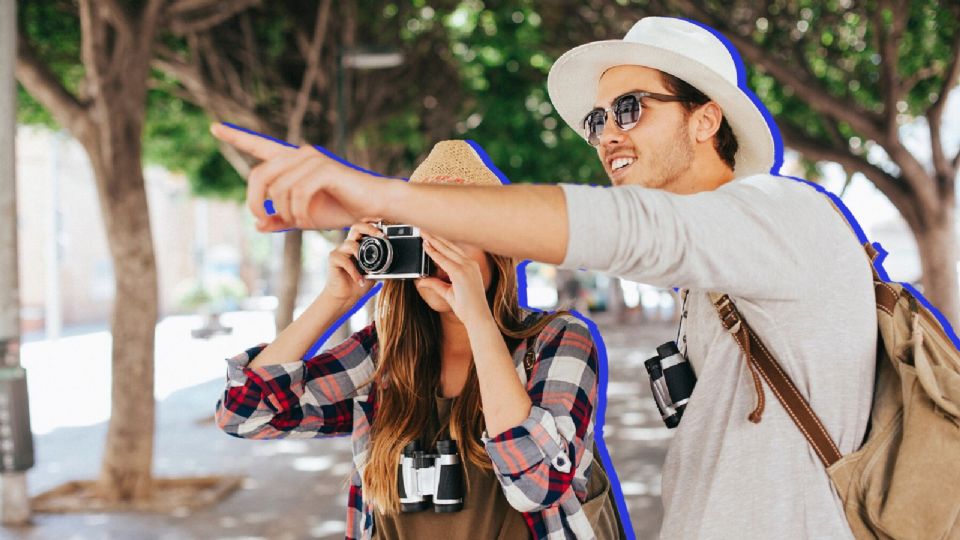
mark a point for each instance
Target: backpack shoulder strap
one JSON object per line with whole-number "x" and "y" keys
{"x": 763, "y": 364}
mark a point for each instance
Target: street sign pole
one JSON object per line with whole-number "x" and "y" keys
{"x": 16, "y": 440}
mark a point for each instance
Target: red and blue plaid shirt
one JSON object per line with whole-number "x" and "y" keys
{"x": 541, "y": 464}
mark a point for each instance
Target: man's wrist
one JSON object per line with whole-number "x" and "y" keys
{"x": 387, "y": 198}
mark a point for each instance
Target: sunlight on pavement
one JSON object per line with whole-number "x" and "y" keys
{"x": 312, "y": 464}
{"x": 327, "y": 528}
{"x": 69, "y": 378}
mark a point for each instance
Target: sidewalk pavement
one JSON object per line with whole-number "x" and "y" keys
{"x": 294, "y": 489}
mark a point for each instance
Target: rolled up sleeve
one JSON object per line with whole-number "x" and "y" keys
{"x": 537, "y": 460}
{"x": 298, "y": 399}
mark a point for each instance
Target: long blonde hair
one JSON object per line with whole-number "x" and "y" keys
{"x": 408, "y": 375}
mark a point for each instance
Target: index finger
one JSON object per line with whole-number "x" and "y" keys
{"x": 257, "y": 146}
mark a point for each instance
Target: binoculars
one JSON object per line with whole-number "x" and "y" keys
{"x": 430, "y": 479}
{"x": 672, "y": 381}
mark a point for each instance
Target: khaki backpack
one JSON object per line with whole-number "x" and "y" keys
{"x": 904, "y": 481}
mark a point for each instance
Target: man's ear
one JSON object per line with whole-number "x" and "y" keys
{"x": 708, "y": 119}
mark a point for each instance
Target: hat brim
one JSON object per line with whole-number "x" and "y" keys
{"x": 573, "y": 82}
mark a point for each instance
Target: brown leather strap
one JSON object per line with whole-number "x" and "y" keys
{"x": 760, "y": 359}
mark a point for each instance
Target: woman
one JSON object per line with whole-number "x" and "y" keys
{"x": 442, "y": 360}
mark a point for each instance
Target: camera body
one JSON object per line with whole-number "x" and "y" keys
{"x": 399, "y": 255}
{"x": 425, "y": 479}
{"x": 672, "y": 381}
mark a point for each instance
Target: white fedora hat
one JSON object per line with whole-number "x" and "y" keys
{"x": 682, "y": 49}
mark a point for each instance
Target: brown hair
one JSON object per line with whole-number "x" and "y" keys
{"x": 724, "y": 142}
{"x": 407, "y": 376}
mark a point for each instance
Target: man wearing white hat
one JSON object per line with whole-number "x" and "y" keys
{"x": 694, "y": 205}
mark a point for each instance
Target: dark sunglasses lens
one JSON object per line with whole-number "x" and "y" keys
{"x": 593, "y": 125}
{"x": 627, "y": 111}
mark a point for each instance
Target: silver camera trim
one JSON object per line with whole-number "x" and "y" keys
{"x": 414, "y": 233}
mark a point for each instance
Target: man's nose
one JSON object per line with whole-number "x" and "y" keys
{"x": 611, "y": 133}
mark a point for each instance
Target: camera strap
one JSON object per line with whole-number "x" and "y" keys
{"x": 763, "y": 364}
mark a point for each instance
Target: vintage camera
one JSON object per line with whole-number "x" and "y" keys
{"x": 426, "y": 479}
{"x": 672, "y": 381}
{"x": 399, "y": 255}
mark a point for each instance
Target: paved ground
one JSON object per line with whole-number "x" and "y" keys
{"x": 296, "y": 489}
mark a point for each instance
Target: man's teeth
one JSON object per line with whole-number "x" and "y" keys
{"x": 620, "y": 163}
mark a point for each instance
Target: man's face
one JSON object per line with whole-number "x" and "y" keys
{"x": 658, "y": 151}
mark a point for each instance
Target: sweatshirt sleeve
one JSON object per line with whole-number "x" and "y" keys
{"x": 750, "y": 238}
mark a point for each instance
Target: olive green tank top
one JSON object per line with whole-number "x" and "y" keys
{"x": 486, "y": 513}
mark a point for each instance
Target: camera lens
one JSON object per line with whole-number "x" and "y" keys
{"x": 374, "y": 255}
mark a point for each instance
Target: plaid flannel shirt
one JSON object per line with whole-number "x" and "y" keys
{"x": 541, "y": 464}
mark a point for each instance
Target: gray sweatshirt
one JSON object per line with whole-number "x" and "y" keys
{"x": 800, "y": 278}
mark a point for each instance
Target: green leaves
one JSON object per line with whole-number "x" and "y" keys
{"x": 504, "y": 58}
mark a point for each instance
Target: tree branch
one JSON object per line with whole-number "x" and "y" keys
{"x": 219, "y": 105}
{"x": 216, "y": 13}
{"x": 311, "y": 72}
{"x": 92, "y": 47}
{"x": 149, "y": 25}
{"x": 862, "y": 120}
{"x": 946, "y": 171}
{"x": 185, "y": 6}
{"x": 889, "y": 46}
{"x": 250, "y": 53}
{"x": 895, "y": 190}
{"x": 44, "y": 86}
{"x": 117, "y": 16}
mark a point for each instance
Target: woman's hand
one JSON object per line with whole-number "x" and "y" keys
{"x": 465, "y": 294}
{"x": 344, "y": 282}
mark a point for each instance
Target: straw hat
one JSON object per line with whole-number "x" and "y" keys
{"x": 683, "y": 49}
{"x": 455, "y": 162}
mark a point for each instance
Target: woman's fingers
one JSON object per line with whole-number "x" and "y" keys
{"x": 441, "y": 259}
{"x": 445, "y": 246}
{"x": 345, "y": 262}
{"x": 363, "y": 229}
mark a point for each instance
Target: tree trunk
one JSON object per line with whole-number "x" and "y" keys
{"x": 116, "y": 156}
{"x": 936, "y": 243}
{"x": 289, "y": 278}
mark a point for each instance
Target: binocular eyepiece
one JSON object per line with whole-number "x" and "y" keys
{"x": 672, "y": 381}
{"x": 425, "y": 479}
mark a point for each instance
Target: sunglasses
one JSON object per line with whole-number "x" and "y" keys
{"x": 626, "y": 111}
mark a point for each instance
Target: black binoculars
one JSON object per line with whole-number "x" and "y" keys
{"x": 430, "y": 479}
{"x": 672, "y": 381}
